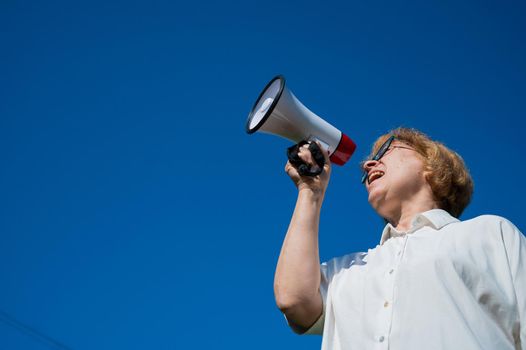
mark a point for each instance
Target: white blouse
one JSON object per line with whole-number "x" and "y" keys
{"x": 444, "y": 284}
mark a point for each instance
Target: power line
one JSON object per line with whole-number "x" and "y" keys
{"x": 32, "y": 332}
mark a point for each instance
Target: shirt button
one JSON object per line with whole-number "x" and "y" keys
{"x": 399, "y": 252}
{"x": 381, "y": 339}
{"x": 386, "y": 304}
{"x": 391, "y": 271}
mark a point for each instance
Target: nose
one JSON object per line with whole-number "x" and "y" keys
{"x": 369, "y": 164}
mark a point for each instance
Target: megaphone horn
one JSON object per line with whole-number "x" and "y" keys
{"x": 277, "y": 111}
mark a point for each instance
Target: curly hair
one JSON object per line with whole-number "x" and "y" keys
{"x": 446, "y": 171}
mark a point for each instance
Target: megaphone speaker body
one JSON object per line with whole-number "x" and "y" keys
{"x": 277, "y": 111}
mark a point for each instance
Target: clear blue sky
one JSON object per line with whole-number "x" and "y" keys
{"x": 136, "y": 213}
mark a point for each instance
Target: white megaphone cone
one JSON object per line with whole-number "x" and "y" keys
{"x": 277, "y": 111}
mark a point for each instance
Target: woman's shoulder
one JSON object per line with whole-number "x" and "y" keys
{"x": 490, "y": 225}
{"x": 488, "y": 219}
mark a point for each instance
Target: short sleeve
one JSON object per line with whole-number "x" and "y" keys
{"x": 328, "y": 271}
{"x": 317, "y": 327}
{"x": 515, "y": 245}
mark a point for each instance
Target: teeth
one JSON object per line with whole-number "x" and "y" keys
{"x": 375, "y": 175}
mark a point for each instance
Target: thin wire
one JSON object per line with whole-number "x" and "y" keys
{"x": 32, "y": 332}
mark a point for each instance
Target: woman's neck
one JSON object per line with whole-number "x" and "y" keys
{"x": 402, "y": 218}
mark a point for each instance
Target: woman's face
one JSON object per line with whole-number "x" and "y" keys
{"x": 395, "y": 178}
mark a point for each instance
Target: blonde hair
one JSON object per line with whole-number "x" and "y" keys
{"x": 446, "y": 172}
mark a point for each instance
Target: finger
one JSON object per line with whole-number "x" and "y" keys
{"x": 305, "y": 155}
{"x": 290, "y": 170}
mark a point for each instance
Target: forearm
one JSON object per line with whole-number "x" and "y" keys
{"x": 297, "y": 278}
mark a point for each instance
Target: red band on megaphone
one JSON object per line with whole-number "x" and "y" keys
{"x": 344, "y": 150}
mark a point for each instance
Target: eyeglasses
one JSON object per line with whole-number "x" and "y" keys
{"x": 382, "y": 151}
{"x": 379, "y": 154}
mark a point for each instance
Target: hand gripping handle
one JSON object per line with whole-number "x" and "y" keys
{"x": 303, "y": 168}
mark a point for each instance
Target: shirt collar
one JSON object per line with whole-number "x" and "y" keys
{"x": 435, "y": 218}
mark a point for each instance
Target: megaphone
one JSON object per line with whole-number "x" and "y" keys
{"x": 278, "y": 112}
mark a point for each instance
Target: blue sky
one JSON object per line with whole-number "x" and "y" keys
{"x": 137, "y": 213}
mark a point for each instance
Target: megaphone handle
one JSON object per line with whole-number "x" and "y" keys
{"x": 303, "y": 168}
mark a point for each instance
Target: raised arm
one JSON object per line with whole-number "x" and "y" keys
{"x": 297, "y": 278}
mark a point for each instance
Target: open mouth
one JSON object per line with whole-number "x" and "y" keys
{"x": 375, "y": 175}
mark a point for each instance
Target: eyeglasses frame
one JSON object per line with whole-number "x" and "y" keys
{"x": 379, "y": 154}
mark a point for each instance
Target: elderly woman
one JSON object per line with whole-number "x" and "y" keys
{"x": 433, "y": 282}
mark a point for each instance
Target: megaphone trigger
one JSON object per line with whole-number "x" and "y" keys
{"x": 301, "y": 166}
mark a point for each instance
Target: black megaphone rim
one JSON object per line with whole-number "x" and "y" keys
{"x": 270, "y": 109}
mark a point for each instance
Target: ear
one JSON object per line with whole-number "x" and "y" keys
{"x": 427, "y": 175}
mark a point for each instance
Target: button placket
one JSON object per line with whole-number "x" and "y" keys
{"x": 389, "y": 300}
{"x": 382, "y": 337}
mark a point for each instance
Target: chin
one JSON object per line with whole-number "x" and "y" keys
{"x": 374, "y": 200}
{"x": 377, "y": 198}
{"x": 375, "y": 192}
